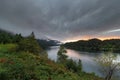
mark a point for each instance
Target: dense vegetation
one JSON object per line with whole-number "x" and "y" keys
{"x": 8, "y": 37}
{"x": 95, "y": 45}
{"x": 21, "y": 58}
{"x": 27, "y": 66}
{"x": 68, "y": 63}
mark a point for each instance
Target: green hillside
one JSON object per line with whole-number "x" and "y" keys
{"x": 22, "y": 58}
{"x": 27, "y": 66}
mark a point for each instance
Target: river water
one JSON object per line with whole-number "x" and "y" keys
{"x": 89, "y": 64}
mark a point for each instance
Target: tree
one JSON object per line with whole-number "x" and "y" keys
{"x": 32, "y": 35}
{"x": 109, "y": 64}
{"x": 5, "y": 37}
{"x": 17, "y": 38}
{"x": 62, "y": 57}
{"x": 68, "y": 63}
{"x": 29, "y": 44}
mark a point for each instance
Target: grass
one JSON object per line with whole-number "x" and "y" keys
{"x": 4, "y": 48}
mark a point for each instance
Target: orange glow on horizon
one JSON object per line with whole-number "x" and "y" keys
{"x": 87, "y": 38}
{"x": 105, "y": 38}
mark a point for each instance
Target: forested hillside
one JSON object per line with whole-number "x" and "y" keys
{"x": 95, "y": 45}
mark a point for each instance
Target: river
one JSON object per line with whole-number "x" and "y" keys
{"x": 89, "y": 64}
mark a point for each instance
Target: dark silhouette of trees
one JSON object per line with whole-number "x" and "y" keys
{"x": 95, "y": 45}
{"x": 17, "y": 38}
{"x": 5, "y": 37}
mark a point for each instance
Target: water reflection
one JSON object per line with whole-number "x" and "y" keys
{"x": 88, "y": 60}
{"x": 52, "y": 53}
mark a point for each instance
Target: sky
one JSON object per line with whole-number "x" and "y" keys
{"x": 64, "y": 20}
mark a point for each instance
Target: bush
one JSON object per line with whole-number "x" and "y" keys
{"x": 73, "y": 66}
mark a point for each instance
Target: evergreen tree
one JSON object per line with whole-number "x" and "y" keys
{"x": 30, "y": 44}
{"x": 17, "y": 38}
{"x": 32, "y": 35}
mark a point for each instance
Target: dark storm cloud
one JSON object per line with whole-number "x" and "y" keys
{"x": 61, "y": 19}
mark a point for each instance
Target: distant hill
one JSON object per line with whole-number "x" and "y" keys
{"x": 95, "y": 45}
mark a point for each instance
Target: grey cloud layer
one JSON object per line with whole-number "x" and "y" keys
{"x": 60, "y": 18}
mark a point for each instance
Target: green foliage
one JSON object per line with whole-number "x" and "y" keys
{"x": 29, "y": 44}
{"x": 68, "y": 63}
{"x": 73, "y": 66}
{"x": 62, "y": 55}
{"x": 5, "y": 37}
{"x": 18, "y": 62}
{"x": 27, "y": 66}
{"x": 8, "y": 48}
{"x": 95, "y": 45}
{"x": 109, "y": 66}
{"x": 17, "y": 38}
{"x": 3, "y": 74}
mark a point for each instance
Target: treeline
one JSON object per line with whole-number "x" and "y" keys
{"x": 95, "y": 45}
{"x": 8, "y": 37}
{"x": 27, "y": 44}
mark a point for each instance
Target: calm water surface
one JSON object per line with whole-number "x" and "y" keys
{"x": 88, "y": 60}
